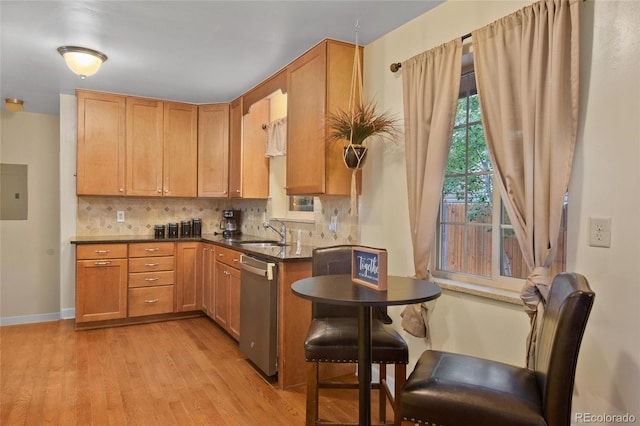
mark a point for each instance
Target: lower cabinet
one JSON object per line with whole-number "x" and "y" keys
{"x": 188, "y": 276}
{"x": 207, "y": 269}
{"x": 151, "y": 279}
{"x": 226, "y": 291}
{"x": 101, "y": 282}
{"x": 120, "y": 281}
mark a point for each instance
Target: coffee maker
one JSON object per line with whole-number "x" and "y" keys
{"x": 230, "y": 223}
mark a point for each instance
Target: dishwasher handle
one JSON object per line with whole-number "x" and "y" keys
{"x": 258, "y": 267}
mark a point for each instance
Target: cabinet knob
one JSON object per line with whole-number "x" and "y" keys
{"x": 224, "y": 192}
{"x": 159, "y": 190}
{"x": 166, "y": 191}
{"x": 121, "y": 189}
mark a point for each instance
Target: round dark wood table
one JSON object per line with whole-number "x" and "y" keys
{"x": 340, "y": 290}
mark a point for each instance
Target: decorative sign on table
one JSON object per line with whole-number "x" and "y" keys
{"x": 369, "y": 267}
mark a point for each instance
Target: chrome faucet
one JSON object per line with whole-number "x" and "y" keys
{"x": 282, "y": 232}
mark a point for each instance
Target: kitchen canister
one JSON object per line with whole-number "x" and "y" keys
{"x": 173, "y": 230}
{"x": 185, "y": 228}
{"x": 196, "y": 227}
{"x": 159, "y": 231}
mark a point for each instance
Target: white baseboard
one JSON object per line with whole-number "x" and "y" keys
{"x": 68, "y": 313}
{"x": 29, "y": 319}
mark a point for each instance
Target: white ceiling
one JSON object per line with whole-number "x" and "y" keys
{"x": 188, "y": 51}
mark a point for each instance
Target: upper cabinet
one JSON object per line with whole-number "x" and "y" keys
{"x": 136, "y": 146}
{"x": 213, "y": 150}
{"x": 248, "y": 165}
{"x": 144, "y": 147}
{"x": 162, "y": 148}
{"x": 180, "y": 165}
{"x": 318, "y": 82}
{"x": 101, "y": 144}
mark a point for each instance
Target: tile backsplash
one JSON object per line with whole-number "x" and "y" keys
{"x": 97, "y": 217}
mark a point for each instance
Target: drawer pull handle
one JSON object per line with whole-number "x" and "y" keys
{"x": 102, "y": 263}
{"x": 151, "y": 249}
{"x": 102, "y": 251}
{"x": 236, "y": 260}
{"x": 151, "y": 279}
{"x": 151, "y": 301}
{"x": 151, "y": 264}
{"x": 220, "y": 254}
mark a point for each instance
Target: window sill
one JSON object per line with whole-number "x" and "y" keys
{"x": 499, "y": 295}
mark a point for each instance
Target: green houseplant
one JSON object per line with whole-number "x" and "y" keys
{"x": 356, "y": 127}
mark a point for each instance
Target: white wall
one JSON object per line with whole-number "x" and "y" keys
{"x": 605, "y": 182}
{"x": 68, "y": 204}
{"x": 29, "y": 283}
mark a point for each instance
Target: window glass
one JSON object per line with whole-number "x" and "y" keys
{"x": 470, "y": 210}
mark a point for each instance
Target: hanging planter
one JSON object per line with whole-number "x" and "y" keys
{"x": 354, "y": 156}
{"x": 357, "y": 125}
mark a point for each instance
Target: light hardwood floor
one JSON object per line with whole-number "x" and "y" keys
{"x": 185, "y": 372}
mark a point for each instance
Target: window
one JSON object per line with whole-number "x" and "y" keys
{"x": 467, "y": 248}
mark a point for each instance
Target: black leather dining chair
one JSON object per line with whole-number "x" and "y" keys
{"x": 333, "y": 338}
{"x": 450, "y": 389}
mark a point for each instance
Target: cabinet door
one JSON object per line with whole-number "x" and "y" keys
{"x": 255, "y": 165}
{"x": 101, "y": 144}
{"x": 221, "y": 290}
{"x": 305, "y": 120}
{"x": 188, "y": 277}
{"x": 234, "y": 303}
{"x": 213, "y": 150}
{"x": 208, "y": 278}
{"x": 101, "y": 289}
{"x": 180, "y": 152}
{"x": 144, "y": 146}
{"x": 235, "y": 148}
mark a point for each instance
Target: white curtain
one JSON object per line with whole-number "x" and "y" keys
{"x": 526, "y": 68}
{"x": 431, "y": 84}
{"x": 276, "y": 138}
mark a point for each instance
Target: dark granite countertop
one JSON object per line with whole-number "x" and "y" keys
{"x": 275, "y": 253}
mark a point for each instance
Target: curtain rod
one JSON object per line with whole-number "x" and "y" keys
{"x": 397, "y": 65}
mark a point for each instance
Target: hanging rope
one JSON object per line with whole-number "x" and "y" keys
{"x": 355, "y": 151}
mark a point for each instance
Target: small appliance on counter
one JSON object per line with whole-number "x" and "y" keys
{"x": 230, "y": 223}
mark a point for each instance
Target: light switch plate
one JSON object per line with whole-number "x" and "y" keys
{"x": 120, "y": 216}
{"x": 333, "y": 226}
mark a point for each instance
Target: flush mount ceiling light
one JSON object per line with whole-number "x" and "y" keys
{"x": 13, "y": 104}
{"x": 82, "y": 61}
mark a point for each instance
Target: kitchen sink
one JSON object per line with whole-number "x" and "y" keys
{"x": 261, "y": 244}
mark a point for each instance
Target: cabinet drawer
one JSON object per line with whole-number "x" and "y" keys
{"x": 151, "y": 249}
{"x": 150, "y": 300}
{"x": 101, "y": 251}
{"x": 146, "y": 279}
{"x": 141, "y": 264}
{"x": 230, "y": 257}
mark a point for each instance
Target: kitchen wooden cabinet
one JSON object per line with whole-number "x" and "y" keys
{"x": 180, "y": 153}
{"x": 248, "y": 166}
{"x": 318, "y": 82}
{"x": 151, "y": 279}
{"x": 189, "y": 279}
{"x": 101, "y": 144}
{"x": 227, "y": 291}
{"x": 101, "y": 282}
{"x": 213, "y": 150}
{"x": 162, "y": 146}
{"x": 144, "y": 147}
{"x": 208, "y": 279}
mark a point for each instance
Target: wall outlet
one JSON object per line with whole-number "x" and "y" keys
{"x": 600, "y": 232}
{"x": 120, "y": 216}
{"x": 333, "y": 226}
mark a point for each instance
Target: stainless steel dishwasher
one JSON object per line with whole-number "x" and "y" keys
{"x": 259, "y": 312}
